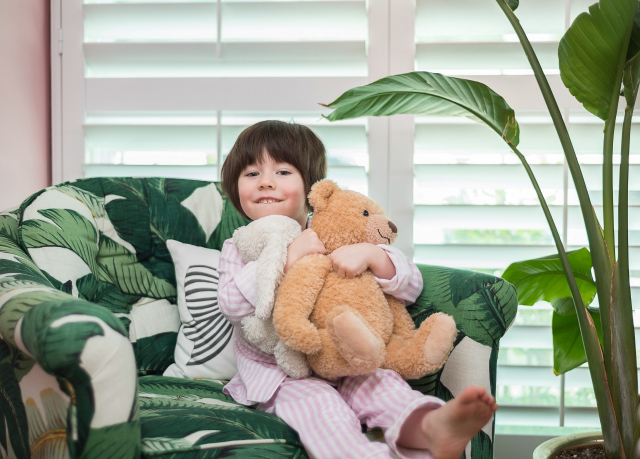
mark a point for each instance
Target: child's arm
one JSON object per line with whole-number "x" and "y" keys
{"x": 306, "y": 243}
{"x": 397, "y": 274}
{"x": 407, "y": 284}
{"x": 236, "y": 284}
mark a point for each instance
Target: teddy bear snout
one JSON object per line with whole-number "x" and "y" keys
{"x": 394, "y": 228}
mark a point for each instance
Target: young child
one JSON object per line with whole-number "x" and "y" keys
{"x": 269, "y": 171}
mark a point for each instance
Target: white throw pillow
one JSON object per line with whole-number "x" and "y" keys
{"x": 205, "y": 341}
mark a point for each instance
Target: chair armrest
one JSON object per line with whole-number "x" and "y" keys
{"x": 86, "y": 347}
{"x": 80, "y": 343}
{"x": 482, "y": 305}
{"x": 483, "y": 308}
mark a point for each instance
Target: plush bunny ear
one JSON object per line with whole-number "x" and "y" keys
{"x": 320, "y": 194}
{"x": 269, "y": 272}
{"x": 243, "y": 241}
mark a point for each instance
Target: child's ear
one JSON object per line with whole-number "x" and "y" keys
{"x": 320, "y": 193}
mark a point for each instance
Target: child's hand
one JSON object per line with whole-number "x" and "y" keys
{"x": 306, "y": 244}
{"x": 352, "y": 260}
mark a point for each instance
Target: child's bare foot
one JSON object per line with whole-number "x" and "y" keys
{"x": 445, "y": 431}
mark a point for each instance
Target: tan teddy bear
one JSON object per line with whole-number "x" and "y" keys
{"x": 349, "y": 326}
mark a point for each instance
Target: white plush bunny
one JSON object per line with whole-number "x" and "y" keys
{"x": 266, "y": 240}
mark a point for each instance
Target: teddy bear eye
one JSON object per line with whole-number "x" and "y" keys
{"x": 365, "y": 213}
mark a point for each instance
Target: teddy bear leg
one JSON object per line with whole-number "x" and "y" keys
{"x": 403, "y": 325}
{"x": 426, "y": 352}
{"x": 329, "y": 362}
{"x": 358, "y": 343}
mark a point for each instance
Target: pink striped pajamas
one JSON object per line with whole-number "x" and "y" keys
{"x": 327, "y": 415}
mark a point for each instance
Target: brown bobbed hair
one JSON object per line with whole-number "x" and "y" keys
{"x": 284, "y": 142}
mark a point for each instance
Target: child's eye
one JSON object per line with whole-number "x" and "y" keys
{"x": 251, "y": 174}
{"x": 284, "y": 172}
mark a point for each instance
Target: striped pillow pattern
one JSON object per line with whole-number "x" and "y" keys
{"x": 209, "y": 330}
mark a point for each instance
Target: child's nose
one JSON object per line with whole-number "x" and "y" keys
{"x": 266, "y": 182}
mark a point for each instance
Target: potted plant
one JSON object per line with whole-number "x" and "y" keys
{"x": 599, "y": 55}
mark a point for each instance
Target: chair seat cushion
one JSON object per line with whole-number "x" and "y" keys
{"x": 195, "y": 419}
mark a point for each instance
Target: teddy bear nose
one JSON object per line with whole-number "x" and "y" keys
{"x": 393, "y": 227}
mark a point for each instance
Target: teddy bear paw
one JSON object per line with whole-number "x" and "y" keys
{"x": 440, "y": 341}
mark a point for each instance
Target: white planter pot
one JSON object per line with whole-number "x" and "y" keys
{"x": 550, "y": 447}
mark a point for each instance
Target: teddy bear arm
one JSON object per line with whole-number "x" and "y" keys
{"x": 296, "y": 299}
{"x": 403, "y": 324}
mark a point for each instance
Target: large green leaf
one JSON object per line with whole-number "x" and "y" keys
{"x": 483, "y": 306}
{"x": 593, "y": 51}
{"x": 95, "y": 203}
{"x": 128, "y": 211}
{"x": 39, "y": 337}
{"x": 631, "y": 74}
{"x": 18, "y": 270}
{"x": 169, "y": 219}
{"x": 179, "y": 188}
{"x": 121, "y": 267}
{"x": 429, "y": 94}
{"x": 481, "y": 446}
{"x": 17, "y": 306}
{"x": 8, "y": 226}
{"x": 543, "y": 279}
{"x": 232, "y": 423}
{"x": 13, "y": 417}
{"x": 175, "y": 386}
{"x": 113, "y": 298}
{"x": 69, "y": 230}
{"x": 568, "y": 349}
{"x": 231, "y": 220}
{"x": 58, "y": 349}
{"x": 119, "y": 440}
{"x": 154, "y": 353}
{"x": 11, "y": 247}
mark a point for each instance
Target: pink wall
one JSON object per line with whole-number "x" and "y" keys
{"x": 25, "y": 120}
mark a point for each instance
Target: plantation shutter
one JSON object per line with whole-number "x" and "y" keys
{"x": 169, "y": 85}
{"x": 474, "y": 206}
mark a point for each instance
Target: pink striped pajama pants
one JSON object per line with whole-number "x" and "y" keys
{"x": 328, "y": 418}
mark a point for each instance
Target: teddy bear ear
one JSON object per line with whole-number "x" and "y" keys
{"x": 320, "y": 193}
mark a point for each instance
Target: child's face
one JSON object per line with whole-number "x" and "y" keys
{"x": 271, "y": 188}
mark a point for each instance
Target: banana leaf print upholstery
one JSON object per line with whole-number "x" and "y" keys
{"x": 88, "y": 324}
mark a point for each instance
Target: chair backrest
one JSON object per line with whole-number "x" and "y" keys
{"x": 104, "y": 240}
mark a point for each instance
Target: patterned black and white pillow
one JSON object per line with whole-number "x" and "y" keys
{"x": 205, "y": 346}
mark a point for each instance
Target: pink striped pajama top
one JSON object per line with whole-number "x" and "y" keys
{"x": 258, "y": 374}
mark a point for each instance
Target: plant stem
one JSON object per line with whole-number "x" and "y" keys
{"x": 602, "y": 262}
{"x": 607, "y": 163}
{"x": 623, "y": 197}
{"x": 599, "y": 379}
{"x": 624, "y": 364}
{"x": 607, "y": 183}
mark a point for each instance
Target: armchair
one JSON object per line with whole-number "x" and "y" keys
{"x": 88, "y": 324}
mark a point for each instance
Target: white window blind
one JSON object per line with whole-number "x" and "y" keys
{"x": 475, "y": 207}
{"x": 167, "y": 86}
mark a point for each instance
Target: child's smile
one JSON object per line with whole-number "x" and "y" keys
{"x": 271, "y": 188}
{"x": 268, "y": 200}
